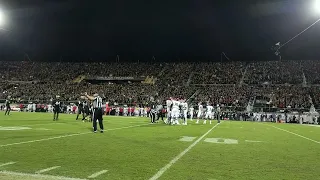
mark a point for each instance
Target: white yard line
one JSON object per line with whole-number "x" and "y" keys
{"x": 124, "y": 116}
{"x": 30, "y": 125}
{"x": 175, "y": 159}
{"x": 36, "y": 176}
{"x": 126, "y": 127}
{"x": 296, "y": 134}
{"x": 252, "y": 141}
{"x": 47, "y": 169}
{"x": 94, "y": 175}
{"x": 8, "y": 163}
{"x": 63, "y": 136}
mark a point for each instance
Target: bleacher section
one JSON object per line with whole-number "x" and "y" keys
{"x": 292, "y": 84}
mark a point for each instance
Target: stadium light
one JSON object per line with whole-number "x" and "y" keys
{"x": 1, "y": 18}
{"x": 316, "y": 6}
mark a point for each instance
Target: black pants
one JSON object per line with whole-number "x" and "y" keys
{"x": 80, "y": 111}
{"x": 55, "y": 114}
{"x": 87, "y": 113}
{"x": 97, "y": 115}
{"x": 160, "y": 114}
{"x": 153, "y": 117}
{"x": 8, "y": 109}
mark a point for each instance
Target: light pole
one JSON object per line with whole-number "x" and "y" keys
{"x": 278, "y": 46}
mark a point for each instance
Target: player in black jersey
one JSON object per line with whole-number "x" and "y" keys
{"x": 8, "y": 108}
{"x": 80, "y": 110}
{"x": 86, "y": 109}
{"x": 56, "y": 108}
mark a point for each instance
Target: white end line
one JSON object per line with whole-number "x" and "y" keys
{"x": 46, "y": 170}
{"x": 46, "y": 139}
{"x": 37, "y": 176}
{"x": 296, "y": 134}
{"x": 69, "y": 135}
{"x": 8, "y": 163}
{"x": 97, "y": 174}
{"x": 174, "y": 160}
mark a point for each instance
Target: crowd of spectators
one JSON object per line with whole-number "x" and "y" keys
{"x": 284, "y": 96}
{"x": 218, "y": 95}
{"x": 218, "y": 73}
{"x": 311, "y": 71}
{"x": 280, "y": 82}
{"x": 274, "y": 72}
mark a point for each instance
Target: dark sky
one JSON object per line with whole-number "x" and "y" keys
{"x": 191, "y": 30}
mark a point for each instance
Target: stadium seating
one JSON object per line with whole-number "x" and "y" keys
{"x": 281, "y": 83}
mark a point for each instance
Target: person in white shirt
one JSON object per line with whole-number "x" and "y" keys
{"x": 29, "y": 107}
{"x": 136, "y": 111}
{"x": 175, "y": 112}
{"x": 33, "y": 107}
{"x": 184, "y": 111}
{"x": 145, "y": 112}
{"x": 200, "y": 109}
{"x": 168, "y": 103}
{"x": 117, "y": 110}
{"x": 191, "y": 111}
{"x": 125, "y": 110}
{"x": 209, "y": 111}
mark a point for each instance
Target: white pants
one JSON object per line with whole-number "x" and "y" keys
{"x": 191, "y": 114}
{"x": 185, "y": 114}
{"x": 199, "y": 114}
{"x": 175, "y": 116}
{"x": 175, "y": 113}
{"x": 208, "y": 115}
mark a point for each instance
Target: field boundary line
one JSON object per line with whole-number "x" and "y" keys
{"x": 94, "y": 175}
{"x": 47, "y": 169}
{"x": 6, "y": 164}
{"x": 175, "y": 159}
{"x": 296, "y": 134}
{"x": 51, "y": 177}
{"x": 68, "y": 135}
{"x": 31, "y": 125}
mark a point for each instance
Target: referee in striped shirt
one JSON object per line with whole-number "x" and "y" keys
{"x": 97, "y": 111}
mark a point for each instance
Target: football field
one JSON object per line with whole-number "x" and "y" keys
{"x": 34, "y": 147}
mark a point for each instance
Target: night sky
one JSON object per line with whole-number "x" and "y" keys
{"x": 170, "y": 30}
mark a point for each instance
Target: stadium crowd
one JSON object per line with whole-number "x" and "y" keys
{"x": 280, "y": 82}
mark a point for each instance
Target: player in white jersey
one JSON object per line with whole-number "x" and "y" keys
{"x": 125, "y": 110}
{"x": 200, "y": 109}
{"x": 175, "y": 112}
{"x": 141, "y": 111}
{"x": 184, "y": 111}
{"x": 168, "y": 103}
{"x": 191, "y": 110}
{"x": 29, "y": 107}
{"x": 145, "y": 112}
{"x": 209, "y": 111}
{"x": 34, "y": 107}
{"x": 117, "y": 111}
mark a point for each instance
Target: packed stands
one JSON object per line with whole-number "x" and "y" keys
{"x": 311, "y": 71}
{"x": 278, "y": 83}
{"x": 274, "y": 72}
{"x": 217, "y": 73}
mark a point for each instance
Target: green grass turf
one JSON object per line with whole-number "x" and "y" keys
{"x": 134, "y": 149}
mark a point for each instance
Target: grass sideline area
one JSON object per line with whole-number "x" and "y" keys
{"x": 32, "y": 146}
